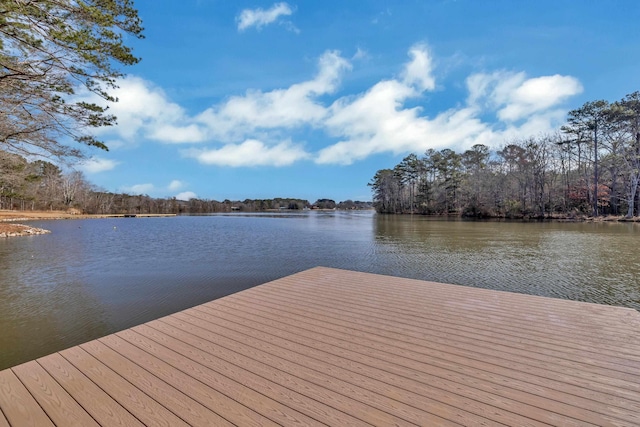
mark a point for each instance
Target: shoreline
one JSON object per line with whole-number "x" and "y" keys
{"x": 9, "y": 228}
{"x": 552, "y": 218}
{"x": 15, "y": 230}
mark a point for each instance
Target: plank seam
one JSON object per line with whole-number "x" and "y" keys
{"x": 127, "y": 381}
{"x": 152, "y": 374}
{"x": 454, "y": 345}
{"x": 276, "y": 304}
{"x": 305, "y": 367}
{"x": 427, "y": 373}
{"x": 350, "y": 289}
{"x": 256, "y": 374}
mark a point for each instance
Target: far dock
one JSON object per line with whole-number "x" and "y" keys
{"x": 335, "y": 347}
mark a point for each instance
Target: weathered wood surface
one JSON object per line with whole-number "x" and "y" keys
{"x": 334, "y": 347}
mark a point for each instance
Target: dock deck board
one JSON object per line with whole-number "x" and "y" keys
{"x": 336, "y": 347}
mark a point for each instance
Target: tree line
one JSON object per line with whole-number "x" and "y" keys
{"x": 41, "y": 185}
{"x": 590, "y": 167}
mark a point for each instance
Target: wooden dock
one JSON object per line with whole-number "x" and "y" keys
{"x": 334, "y": 347}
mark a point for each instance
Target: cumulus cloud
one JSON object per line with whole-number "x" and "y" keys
{"x": 418, "y": 71}
{"x": 172, "y": 133}
{"x": 516, "y": 97}
{"x": 250, "y": 153}
{"x": 288, "y": 108}
{"x": 391, "y": 116}
{"x": 259, "y": 18}
{"x": 378, "y": 120}
{"x": 186, "y": 195}
{"x": 539, "y": 94}
{"x": 175, "y": 185}
{"x": 97, "y": 164}
{"x": 143, "y": 110}
{"x": 160, "y": 191}
{"x": 136, "y": 189}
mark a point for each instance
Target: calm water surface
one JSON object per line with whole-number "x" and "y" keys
{"x": 93, "y": 277}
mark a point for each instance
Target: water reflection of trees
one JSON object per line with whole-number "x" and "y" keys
{"x": 452, "y": 234}
{"x": 584, "y": 262}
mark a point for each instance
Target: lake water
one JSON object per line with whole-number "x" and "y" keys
{"x": 90, "y": 278}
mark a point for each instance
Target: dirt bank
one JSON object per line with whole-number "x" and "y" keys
{"x": 8, "y": 228}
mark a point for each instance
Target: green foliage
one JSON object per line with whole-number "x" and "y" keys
{"x": 48, "y": 50}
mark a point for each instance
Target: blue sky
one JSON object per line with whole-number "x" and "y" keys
{"x": 308, "y": 99}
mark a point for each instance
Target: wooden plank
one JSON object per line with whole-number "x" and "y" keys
{"x": 415, "y": 311}
{"x": 202, "y": 387}
{"x": 447, "y": 319}
{"x": 96, "y": 402}
{"x": 406, "y": 366}
{"x": 56, "y": 402}
{"x": 144, "y": 408}
{"x": 455, "y": 369}
{"x": 472, "y": 299}
{"x": 348, "y": 317}
{"x": 3, "y": 420}
{"x": 547, "y": 327}
{"x": 413, "y": 321}
{"x": 349, "y": 390}
{"x": 188, "y": 409}
{"x": 467, "y": 347}
{"x": 445, "y": 391}
{"x": 467, "y": 304}
{"x": 18, "y": 406}
{"x": 314, "y": 409}
{"x": 384, "y": 394}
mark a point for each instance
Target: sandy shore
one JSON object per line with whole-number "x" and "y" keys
{"x": 13, "y": 230}
{"x": 9, "y": 228}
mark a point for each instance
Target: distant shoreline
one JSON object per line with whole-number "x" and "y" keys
{"x": 557, "y": 218}
{"x": 10, "y": 226}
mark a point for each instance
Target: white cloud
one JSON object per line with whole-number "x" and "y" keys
{"x": 294, "y": 106}
{"x": 177, "y": 134}
{"x": 378, "y": 121}
{"x": 539, "y": 94}
{"x": 175, "y": 185}
{"x": 249, "y": 129}
{"x": 97, "y": 164}
{"x": 259, "y": 17}
{"x": 186, "y": 195}
{"x": 516, "y": 97}
{"x": 144, "y": 111}
{"x": 159, "y": 191}
{"x": 418, "y": 71}
{"x": 139, "y": 189}
{"x": 141, "y": 106}
{"x": 250, "y": 153}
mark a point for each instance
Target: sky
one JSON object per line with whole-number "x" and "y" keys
{"x": 308, "y": 99}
